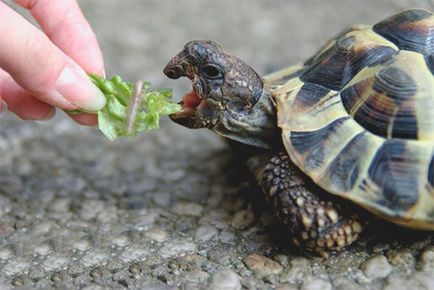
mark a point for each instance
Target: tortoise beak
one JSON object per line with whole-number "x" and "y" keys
{"x": 176, "y": 67}
{"x": 185, "y": 118}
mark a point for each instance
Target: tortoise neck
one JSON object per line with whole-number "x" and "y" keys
{"x": 264, "y": 119}
{"x": 258, "y": 127}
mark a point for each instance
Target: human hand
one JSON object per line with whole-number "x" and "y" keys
{"x": 41, "y": 70}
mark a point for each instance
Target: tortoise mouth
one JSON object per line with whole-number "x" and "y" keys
{"x": 190, "y": 101}
{"x": 187, "y": 117}
{"x": 193, "y": 103}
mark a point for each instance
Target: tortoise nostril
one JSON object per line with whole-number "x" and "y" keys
{"x": 170, "y": 74}
{"x": 173, "y": 71}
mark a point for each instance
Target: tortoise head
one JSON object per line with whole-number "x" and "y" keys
{"x": 227, "y": 97}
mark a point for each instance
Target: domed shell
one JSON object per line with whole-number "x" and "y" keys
{"x": 358, "y": 117}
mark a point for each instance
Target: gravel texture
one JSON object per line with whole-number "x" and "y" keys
{"x": 173, "y": 209}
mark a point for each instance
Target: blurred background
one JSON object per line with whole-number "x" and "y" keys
{"x": 139, "y": 37}
{"x": 170, "y": 209}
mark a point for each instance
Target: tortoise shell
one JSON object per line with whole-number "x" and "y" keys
{"x": 358, "y": 117}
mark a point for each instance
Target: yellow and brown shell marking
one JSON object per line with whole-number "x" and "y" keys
{"x": 358, "y": 117}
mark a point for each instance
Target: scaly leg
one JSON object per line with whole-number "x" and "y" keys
{"x": 316, "y": 222}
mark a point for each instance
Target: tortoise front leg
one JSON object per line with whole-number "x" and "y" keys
{"x": 316, "y": 223}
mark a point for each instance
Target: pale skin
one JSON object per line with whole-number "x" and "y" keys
{"x": 44, "y": 69}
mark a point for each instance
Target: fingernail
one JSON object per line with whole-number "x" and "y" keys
{"x": 3, "y": 107}
{"x": 75, "y": 86}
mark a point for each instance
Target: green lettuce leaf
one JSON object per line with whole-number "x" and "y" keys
{"x": 128, "y": 112}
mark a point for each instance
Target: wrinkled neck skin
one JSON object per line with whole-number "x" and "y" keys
{"x": 257, "y": 127}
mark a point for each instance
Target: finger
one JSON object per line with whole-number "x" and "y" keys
{"x": 85, "y": 119}
{"x": 41, "y": 68}
{"x": 66, "y": 26}
{"x": 21, "y": 102}
{"x": 3, "y": 107}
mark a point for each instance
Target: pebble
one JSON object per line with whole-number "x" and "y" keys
{"x": 24, "y": 167}
{"x": 184, "y": 226}
{"x": 135, "y": 268}
{"x": 177, "y": 247}
{"x": 75, "y": 269}
{"x": 121, "y": 240}
{"x": 91, "y": 209}
{"x": 188, "y": 209}
{"x": 205, "y": 233}
{"x": 346, "y": 284}
{"x": 227, "y": 237}
{"x": 162, "y": 199}
{"x": 317, "y": 284}
{"x": 157, "y": 286}
{"x": 286, "y": 287}
{"x": 6, "y": 253}
{"x": 403, "y": 259}
{"x": 262, "y": 266}
{"x": 426, "y": 262}
{"x": 94, "y": 257}
{"x": 82, "y": 245}
{"x": 55, "y": 262}
{"x": 225, "y": 280}
{"x": 37, "y": 274}
{"x": 395, "y": 282}
{"x": 380, "y": 247}
{"x": 221, "y": 254}
{"x": 114, "y": 265}
{"x": 215, "y": 199}
{"x": 376, "y": 267}
{"x": 11, "y": 185}
{"x": 15, "y": 266}
{"x": 282, "y": 259}
{"x": 135, "y": 253}
{"x": 158, "y": 235}
{"x": 146, "y": 221}
{"x": 425, "y": 279}
{"x": 61, "y": 205}
{"x": 18, "y": 282}
{"x": 135, "y": 202}
{"x": 56, "y": 277}
{"x": 218, "y": 218}
{"x": 243, "y": 219}
{"x": 250, "y": 282}
{"x": 43, "y": 228}
{"x": 109, "y": 215}
{"x": 196, "y": 276}
{"x": 5, "y": 206}
{"x": 174, "y": 175}
{"x": 298, "y": 271}
{"x": 189, "y": 262}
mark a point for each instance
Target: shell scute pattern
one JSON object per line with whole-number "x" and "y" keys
{"x": 358, "y": 118}
{"x": 396, "y": 172}
{"x": 411, "y": 30}
{"x": 431, "y": 173}
{"x": 394, "y": 99}
{"x": 336, "y": 66}
{"x": 346, "y": 167}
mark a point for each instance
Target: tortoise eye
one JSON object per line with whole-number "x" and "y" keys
{"x": 211, "y": 71}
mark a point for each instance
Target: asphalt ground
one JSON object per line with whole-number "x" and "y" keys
{"x": 172, "y": 209}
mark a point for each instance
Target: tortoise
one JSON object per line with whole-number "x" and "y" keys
{"x": 354, "y": 122}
